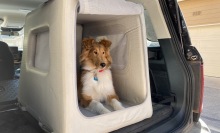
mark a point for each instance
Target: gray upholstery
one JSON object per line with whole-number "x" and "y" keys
{"x": 8, "y": 90}
{"x": 6, "y": 62}
{"x": 17, "y": 121}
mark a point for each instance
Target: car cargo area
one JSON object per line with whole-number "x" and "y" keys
{"x": 15, "y": 120}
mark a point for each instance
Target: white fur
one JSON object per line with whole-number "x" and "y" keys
{"x": 116, "y": 104}
{"x": 99, "y": 90}
{"x": 97, "y": 107}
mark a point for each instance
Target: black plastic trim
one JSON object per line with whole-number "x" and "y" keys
{"x": 11, "y": 29}
{"x": 183, "y": 84}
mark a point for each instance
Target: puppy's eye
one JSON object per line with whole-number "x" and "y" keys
{"x": 95, "y": 52}
{"x": 103, "y": 52}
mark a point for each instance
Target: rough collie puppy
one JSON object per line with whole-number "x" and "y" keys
{"x": 96, "y": 84}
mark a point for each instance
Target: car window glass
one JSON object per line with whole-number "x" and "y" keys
{"x": 151, "y": 36}
{"x": 14, "y": 40}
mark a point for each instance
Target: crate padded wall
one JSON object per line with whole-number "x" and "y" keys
{"x": 49, "y": 91}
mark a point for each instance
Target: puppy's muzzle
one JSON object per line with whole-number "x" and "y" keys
{"x": 102, "y": 65}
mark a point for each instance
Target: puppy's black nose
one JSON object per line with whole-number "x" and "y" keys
{"x": 102, "y": 64}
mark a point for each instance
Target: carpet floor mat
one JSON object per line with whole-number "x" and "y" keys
{"x": 8, "y": 90}
{"x": 17, "y": 121}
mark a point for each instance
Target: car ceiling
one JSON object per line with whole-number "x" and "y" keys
{"x": 13, "y": 12}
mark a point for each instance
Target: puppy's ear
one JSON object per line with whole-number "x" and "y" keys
{"x": 106, "y": 43}
{"x": 87, "y": 43}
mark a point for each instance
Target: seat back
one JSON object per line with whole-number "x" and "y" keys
{"x": 14, "y": 51}
{"x": 6, "y": 62}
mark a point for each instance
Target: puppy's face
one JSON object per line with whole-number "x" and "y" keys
{"x": 95, "y": 55}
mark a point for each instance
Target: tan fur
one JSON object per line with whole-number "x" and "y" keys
{"x": 89, "y": 58}
{"x": 110, "y": 97}
{"x": 85, "y": 100}
{"x": 93, "y": 55}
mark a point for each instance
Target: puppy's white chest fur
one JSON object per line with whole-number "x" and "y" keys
{"x": 98, "y": 85}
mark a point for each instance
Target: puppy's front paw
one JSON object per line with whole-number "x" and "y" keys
{"x": 97, "y": 107}
{"x": 118, "y": 107}
{"x": 104, "y": 111}
{"x": 116, "y": 104}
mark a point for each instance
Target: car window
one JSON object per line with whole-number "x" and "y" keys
{"x": 149, "y": 28}
{"x": 14, "y": 40}
{"x": 151, "y": 36}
